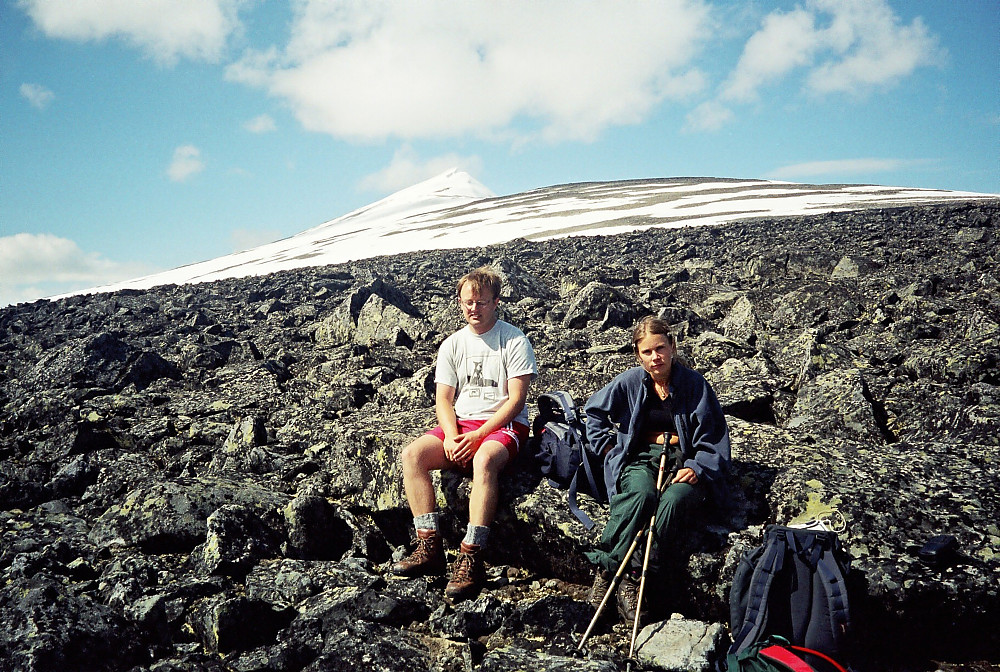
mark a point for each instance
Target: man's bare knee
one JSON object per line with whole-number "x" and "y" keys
{"x": 490, "y": 460}
{"x": 409, "y": 455}
{"x": 423, "y": 454}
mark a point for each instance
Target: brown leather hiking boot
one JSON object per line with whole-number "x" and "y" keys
{"x": 628, "y": 598}
{"x": 602, "y": 581}
{"x": 468, "y": 573}
{"x": 426, "y": 558}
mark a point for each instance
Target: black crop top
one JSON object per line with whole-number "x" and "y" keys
{"x": 659, "y": 415}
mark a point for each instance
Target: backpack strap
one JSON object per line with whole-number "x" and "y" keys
{"x": 820, "y": 553}
{"x": 565, "y": 404}
{"x": 835, "y": 587}
{"x": 786, "y": 655}
{"x": 573, "y": 488}
{"x": 819, "y": 654}
{"x": 572, "y": 420}
{"x": 831, "y": 576}
{"x": 786, "y": 658}
{"x": 760, "y": 586}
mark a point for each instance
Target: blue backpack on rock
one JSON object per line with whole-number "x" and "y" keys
{"x": 561, "y": 453}
{"x": 775, "y": 654}
{"x": 793, "y": 586}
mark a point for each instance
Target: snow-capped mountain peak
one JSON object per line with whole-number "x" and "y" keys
{"x": 449, "y": 189}
{"x": 454, "y": 210}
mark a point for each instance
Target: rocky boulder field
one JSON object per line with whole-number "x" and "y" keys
{"x": 205, "y": 477}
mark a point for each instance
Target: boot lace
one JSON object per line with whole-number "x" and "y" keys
{"x": 630, "y": 595}
{"x": 462, "y": 571}
{"x": 423, "y": 551}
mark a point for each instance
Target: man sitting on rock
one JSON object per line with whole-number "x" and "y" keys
{"x": 482, "y": 376}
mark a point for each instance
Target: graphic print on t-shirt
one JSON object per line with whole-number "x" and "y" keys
{"x": 478, "y": 385}
{"x": 478, "y": 367}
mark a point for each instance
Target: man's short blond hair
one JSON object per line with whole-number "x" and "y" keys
{"x": 482, "y": 279}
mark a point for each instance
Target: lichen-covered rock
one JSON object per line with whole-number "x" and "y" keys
{"x": 381, "y": 322}
{"x": 838, "y": 403}
{"x": 315, "y": 531}
{"x": 227, "y": 624}
{"x": 466, "y": 620}
{"x": 178, "y": 462}
{"x": 48, "y": 627}
{"x": 375, "y": 312}
{"x": 104, "y": 362}
{"x": 742, "y": 322}
{"x": 237, "y": 539}
{"x": 681, "y": 645}
{"x": 598, "y": 301}
{"x": 513, "y": 658}
{"x": 173, "y": 515}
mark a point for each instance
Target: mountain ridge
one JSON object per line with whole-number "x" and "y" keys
{"x": 454, "y": 210}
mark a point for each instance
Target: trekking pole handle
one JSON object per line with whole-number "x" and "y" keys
{"x": 667, "y": 441}
{"x": 663, "y": 464}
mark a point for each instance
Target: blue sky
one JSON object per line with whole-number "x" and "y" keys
{"x": 141, "y": 135}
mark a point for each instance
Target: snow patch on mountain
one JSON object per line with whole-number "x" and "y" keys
{"x": 453, "y": 210}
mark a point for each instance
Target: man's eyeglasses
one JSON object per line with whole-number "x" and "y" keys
{"x": 469, "y": 305}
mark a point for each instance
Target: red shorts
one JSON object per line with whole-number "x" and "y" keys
{"x": 511, "y": 436}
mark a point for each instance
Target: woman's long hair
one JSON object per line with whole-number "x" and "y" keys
{"x": 651, "y": 325}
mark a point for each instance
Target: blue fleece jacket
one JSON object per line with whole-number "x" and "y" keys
{"x": 615, "y": 417}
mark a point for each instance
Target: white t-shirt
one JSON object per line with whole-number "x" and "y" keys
{"x": 479, "y": 366}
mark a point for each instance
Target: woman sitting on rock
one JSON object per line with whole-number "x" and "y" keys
{"x": 659, "y": 405}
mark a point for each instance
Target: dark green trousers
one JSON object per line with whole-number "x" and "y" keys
{"x": 633, "y": 506}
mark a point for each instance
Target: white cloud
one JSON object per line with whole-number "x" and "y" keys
{"x": 186, "y": 162}
{"x": 871, "y": 47}
{"x": 36, "y": 265}
{"x": 406, "y": 169}
{"x": 843, "y": 46}
{"x": 843, "y": 167}
{"x": 36, "y": 94}
{"x": 442, "y": 68}
{"x": 260, "y": 124}
{"x": 164, "y": 29}
{"x": 708, "y": 116}
{"x": 786, "y": 41}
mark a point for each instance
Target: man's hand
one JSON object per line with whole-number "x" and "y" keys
{"x": 462, "y": 447}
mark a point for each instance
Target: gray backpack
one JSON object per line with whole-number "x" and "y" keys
{"x": 794, "y": 586}
{"x": 561, "y": 453}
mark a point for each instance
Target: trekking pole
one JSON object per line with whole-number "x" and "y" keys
{"x": 660, "y": 486}
{"x": 645, "y": 559}
{"x": 611, "y": 588}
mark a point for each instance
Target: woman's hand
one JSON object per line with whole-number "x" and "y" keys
{"x": 685, "y": 475}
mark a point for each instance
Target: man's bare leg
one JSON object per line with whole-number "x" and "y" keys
{"x": 419, "y": 458}
{"x": 422, "y": 456}
{"x": 469, "y": 572}
{"x": 487, "y": 466}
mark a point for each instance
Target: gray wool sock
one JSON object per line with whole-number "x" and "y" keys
{"x": 426, "y": 521}
{"x": 476, "y": 535}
